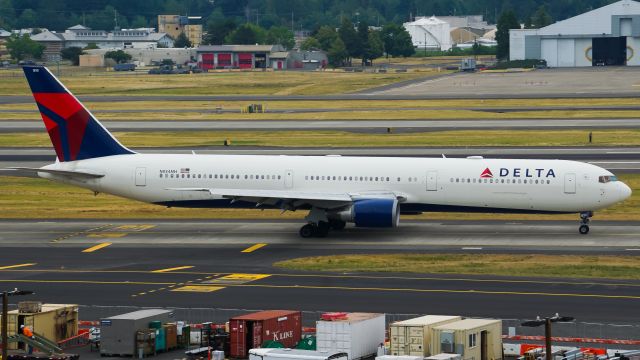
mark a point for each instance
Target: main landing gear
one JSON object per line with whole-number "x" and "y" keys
{"x": 321, "y": 228}
{"x": 585, "y": 218}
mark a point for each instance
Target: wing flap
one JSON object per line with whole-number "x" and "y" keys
{"x": 272, "y": 194}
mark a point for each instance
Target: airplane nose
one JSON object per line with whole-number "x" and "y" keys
{"x": 624, "y": 190}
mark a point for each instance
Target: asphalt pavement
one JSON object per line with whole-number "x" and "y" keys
{"x": 229, "y": 264}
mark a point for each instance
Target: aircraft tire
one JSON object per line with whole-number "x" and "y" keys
{"x": 583, "y": 229}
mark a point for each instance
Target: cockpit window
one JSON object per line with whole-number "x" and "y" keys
{"x": 607, "y": 178}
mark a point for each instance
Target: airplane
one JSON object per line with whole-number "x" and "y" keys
{"x": 336, "y": 190}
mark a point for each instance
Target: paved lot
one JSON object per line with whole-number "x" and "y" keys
{"x": 550, "y": 82}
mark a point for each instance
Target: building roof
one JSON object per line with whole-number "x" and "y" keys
{"x": 265, "y": 315}
{"x": 78, "y": 27}
{"x": 596, "y": 21}
{"x": 427, "y": 320}
{"x": 467, "y": 324}
{"x": 4, "y": 33}
{"x": 427, "y": 21}
{"x": 240, "y": 48}
{"x": 140, "y": 314}
{"x": 47, "y": 36}
{"x": 279, "y": 55}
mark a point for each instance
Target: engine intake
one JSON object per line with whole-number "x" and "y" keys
{"x": 380, "y": 213}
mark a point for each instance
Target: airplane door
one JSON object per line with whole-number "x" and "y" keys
{"x": 288, "y": 179}
{"x": 432, "y": 181}
{"x": 570, "y": 183}
{"x": 141, "y": 176}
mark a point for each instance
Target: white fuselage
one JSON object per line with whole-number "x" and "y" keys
{"x": 426, "y": 184}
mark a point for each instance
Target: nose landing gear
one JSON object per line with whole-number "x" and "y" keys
{"x": 585, "y": 218}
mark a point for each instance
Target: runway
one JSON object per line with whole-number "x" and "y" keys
{"x": 202, "y": 264}
{"x": 366, "y": 126}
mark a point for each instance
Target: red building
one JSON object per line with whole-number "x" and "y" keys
{"x": 236, "y": 56}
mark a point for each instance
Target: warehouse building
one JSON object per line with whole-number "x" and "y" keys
{"x": 236, "y": 56}
{"x": 445, "y": 32}
{"x": 609, "y": 35}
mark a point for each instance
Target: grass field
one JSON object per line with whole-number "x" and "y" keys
{"x": 534, "y": 265}
{"x": 143, "y": 105}
{"x": 353, "y": 139}
{"x": 221, "y": 83}
{"x": 27, "y": 198}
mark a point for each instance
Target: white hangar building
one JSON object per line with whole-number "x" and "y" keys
{"x": 609, "y": 35}
{"x": 430, "y": 32}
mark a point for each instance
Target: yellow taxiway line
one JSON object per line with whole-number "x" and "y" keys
{"x": 254, "y": 248}
{"x": 96, "y": 247}
{"x": 172, "y": 269}
{"x": 16, "y": 266}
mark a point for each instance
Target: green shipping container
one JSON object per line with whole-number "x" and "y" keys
{"x": 161, "y": 340}
{"x": 155, "y": 324}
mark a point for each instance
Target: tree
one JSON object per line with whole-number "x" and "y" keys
{"x": 72, "y": 54}
{"x": 310, "y": 43}
{"x": 374, "y": 48}
{"x": 396, "y": 41}
{"x": 280, "y": 35}
{"x": 27, "y": 19}
{"x": 139, "y": 22}
{"x": 541, "y": 18}
{"x": 182, "y": 41}
{"x": 338, "y": 54}
{"x": 7, "y": 14}
{"x": 21, "y": 47}
{"x": 349, "y": 38}
{"x": 246, "y": 34}
{"x": 118, "y": 56}
{"x": 363, "y": 41}
{"x": 326, "y": 36}
{"x": 218, "y": 30}
{"x": 506, "y": 22}
{"x": 91, "y": 46}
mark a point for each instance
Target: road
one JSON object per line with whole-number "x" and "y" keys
{"x": 366, "y": 126}
{"x": 190, "y": 264}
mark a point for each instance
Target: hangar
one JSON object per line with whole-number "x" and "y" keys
{"x": 607, "y": 36}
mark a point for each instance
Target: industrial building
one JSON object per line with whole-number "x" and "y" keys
{"x": 609, "y": 35}
{"x": 444, "y": 32}
{"x": 236, "y": 56}
{"x": 174, "y": 25}
{"x": 81, "y": 36}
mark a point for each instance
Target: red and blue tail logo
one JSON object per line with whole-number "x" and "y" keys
{"x": 74, "y": 132}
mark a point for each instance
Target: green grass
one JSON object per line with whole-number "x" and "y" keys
{"x": 149, "y": 105}
{"x": 27, "y": 198}
{"x": 353, "y": 139}
{"x": 535, "y": 265}
{"x": 221, "y": 83}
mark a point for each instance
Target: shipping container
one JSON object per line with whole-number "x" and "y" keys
{"x": 118, "y": 333}
{"x": 444, "y": 357}
{"x": 145, "y": 343}
{"x": 357, "y": 334}
{"x": 55, "y": 322}
{"x": 171, "y": 331}
{"x": 399, "y": 357}
{"x": 252, "y": 330}
{"x": 472, "y": 339}
{"x": 413, "y": 337}
{"x": 295, "y": 354}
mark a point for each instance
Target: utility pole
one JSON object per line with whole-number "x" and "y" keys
{"x": 547, "y": 338}
{"x": 5, "y": 311}
{"x": 547, "y": 329}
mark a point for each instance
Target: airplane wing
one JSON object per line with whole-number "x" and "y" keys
{"x": 291, "y": 199}
{"x": 69, "y": 173}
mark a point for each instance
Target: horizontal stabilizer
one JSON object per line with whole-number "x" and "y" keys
{"x": 70, "y": 173}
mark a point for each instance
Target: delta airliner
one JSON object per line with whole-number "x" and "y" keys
{"x": 336, "y": 190}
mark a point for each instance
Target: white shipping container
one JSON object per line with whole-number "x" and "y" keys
{"x": 399, "y": 357}
{"x": 358, "y": 335}
{"x": 413, "y": 337}
{"x": 294, "y": 354}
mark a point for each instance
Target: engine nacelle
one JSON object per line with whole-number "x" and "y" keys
{"x": 380, "y": 213}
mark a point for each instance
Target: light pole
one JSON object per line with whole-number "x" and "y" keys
{"x": 547, "y": 329}
{"x": 5, "y": 315}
